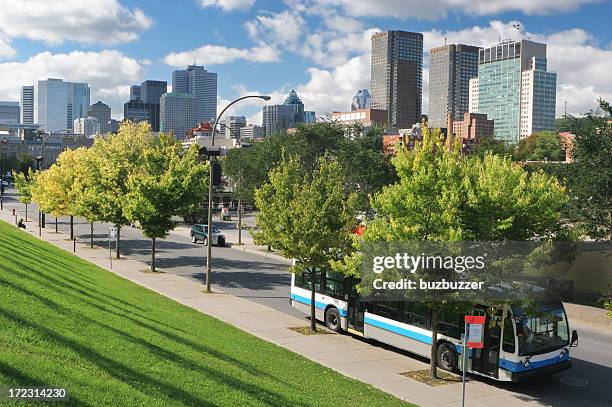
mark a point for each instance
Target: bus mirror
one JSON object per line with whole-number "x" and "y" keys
{"x": 574, "y": 341}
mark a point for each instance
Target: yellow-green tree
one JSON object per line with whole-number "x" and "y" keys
{"x": 106, "y": 169}
{"x": 54, "y": 189}
{"x": 23, "y": 184}
{"x": 168, "y": 180}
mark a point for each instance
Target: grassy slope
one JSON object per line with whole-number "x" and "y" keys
{"x": 67, "y": 323}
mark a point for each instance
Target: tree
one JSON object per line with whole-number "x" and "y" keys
{"x": 545, "y": 145}
{"x": 54, "y": 189}
{"x": 23, "y": 184}
{"x": 445, "y": 196}
{"x": 306, "y": 216}
{"x": 111, "y": 160}
{"x": 168, "y": 180}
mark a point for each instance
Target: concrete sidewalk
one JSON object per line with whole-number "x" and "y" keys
{"x": 375, "y": 365}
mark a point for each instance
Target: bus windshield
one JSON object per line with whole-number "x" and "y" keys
{"x": 543, "y": 332}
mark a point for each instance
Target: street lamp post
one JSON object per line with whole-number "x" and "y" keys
{"x": 211, "y": 160}
{"x": 237, "y": 136}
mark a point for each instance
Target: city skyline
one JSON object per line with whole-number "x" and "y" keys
{"x": 271, "y": 48}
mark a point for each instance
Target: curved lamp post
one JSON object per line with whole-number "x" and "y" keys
{"x": 211, "y": 159}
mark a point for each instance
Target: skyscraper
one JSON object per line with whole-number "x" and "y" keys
{"x": 515, "y": 89}
{"x": 450, "y": 69}
{"x": 9, "y": 112}
{"x": 87, "y": 126}
{"x": 151, "y": 93}
{"x": 361, "y": 100}
{"x": 78, "y": 99}
{"x": 295, "y": 103}
{"x": 231, "y": 125}
{"x": 178, "y": 113}
{"x": 102, "y": 112}
{"x": 277, "y": 118}
{"x": 27, "y": 105}
{"x": 397, "y": 76}
{"x": 51, "y": 105}
{"x": 197, "y": 81}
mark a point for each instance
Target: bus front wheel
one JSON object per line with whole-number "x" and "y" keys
{"x": 332, "y": 319}
{"x": 447, "y": 357}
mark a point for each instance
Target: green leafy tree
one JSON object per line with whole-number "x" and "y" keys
{"x": 445, "y": 196}
{"x": 545, "y": 145}
{"x": 168, "y": 180}
{"x": 23, "y": 184}
{"x": 306, "y": 216}
{"x": 589, "y": 177}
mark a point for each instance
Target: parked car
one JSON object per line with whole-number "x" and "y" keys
{"x": 200, "y": 233}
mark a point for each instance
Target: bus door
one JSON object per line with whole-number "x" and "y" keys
{"x": 486, "y": 360}
{"x": 356, "y": 307}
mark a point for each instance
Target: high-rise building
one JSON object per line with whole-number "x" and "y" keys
{"x": 197, "y": 81}
{"x": 450, "y": 69}
{"x": 292, "y": 100}
{"x": 251, "y": 132}
{"x": 361, "y": 100}
{"x": 51, "y": 105}
{"x": 515, "y": 89}
{"x": 473, "y": 96}
{"x": 114, "y": 125}
{"x": 78, "y": 99}
{"x": 135, "y": 92}
{"x": 178, "y": 113}
{"x": 397, "y": 76}
{"x": 102, "y": 112}
{"x": 9, "y": 112}
{"x": 136, "y": 111}
{"x": 277, "y": 118}
{"x": 87, "y": 126}
{"x": 230, "y": 126}
{"x": 282, "y": 117}
{"x": 27, "y": 105}
{"x": 152, "y": 91}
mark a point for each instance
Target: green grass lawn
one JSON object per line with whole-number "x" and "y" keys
{"x": 68, "y": 323}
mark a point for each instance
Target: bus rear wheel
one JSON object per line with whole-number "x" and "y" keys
{"x": 332, "y": 319}
{"x": 447, "y": 357}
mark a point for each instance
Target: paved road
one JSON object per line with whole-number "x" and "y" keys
{"x": 265, "y": 280}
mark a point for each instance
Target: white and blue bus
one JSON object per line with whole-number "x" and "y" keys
{"x": 517, "y": 345}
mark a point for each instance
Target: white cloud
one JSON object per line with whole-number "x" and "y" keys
{"x": 218, "y": 54}
{"x": 280, "y": 29}
{"x": 109, "y": 74}
{"x": 228, "y": 5}
{"x": 437, "y": 9}
{"x": 85, "y": 22}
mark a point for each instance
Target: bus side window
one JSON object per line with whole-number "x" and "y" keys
{"x": 508, "y": 337}
{"x": 299, "y": 280}
{"x": 308, "y": 280}
{"x": 415, "y": 314}
{"x": 334, "y": 284}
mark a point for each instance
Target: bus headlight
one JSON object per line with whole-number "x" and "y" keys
{"x": 527, "y": 364}
{"x": 563, "y": 353}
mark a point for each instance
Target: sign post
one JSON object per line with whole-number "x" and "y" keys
{"x": 112, "y": 233}
{"x": 472, "y": 339}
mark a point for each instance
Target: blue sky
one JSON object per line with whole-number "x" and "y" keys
{"x": 318, "y": 47}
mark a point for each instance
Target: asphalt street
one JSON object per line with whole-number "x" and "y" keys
{"x": 265, "y": 280}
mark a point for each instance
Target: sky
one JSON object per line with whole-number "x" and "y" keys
{"x": 320, "y": 48}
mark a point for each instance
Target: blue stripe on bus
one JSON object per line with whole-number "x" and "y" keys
{"x": 319, "y": 305}
{"x": 398, "y": 330}
{"x": 519, "y": 367}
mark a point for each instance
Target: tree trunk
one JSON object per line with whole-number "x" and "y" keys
{"x": 239, "y": 222}
{"x": 91, "y": 235}
{"x": 26, "y": 205}
{"x": 118, "y": 241}
{"x": 313, "y": 323}
{"x": 153, "y": 255}
{"x": 56, "y": 224}
{"x": 433, "y": 364}
{"x": 71, "y": 227}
